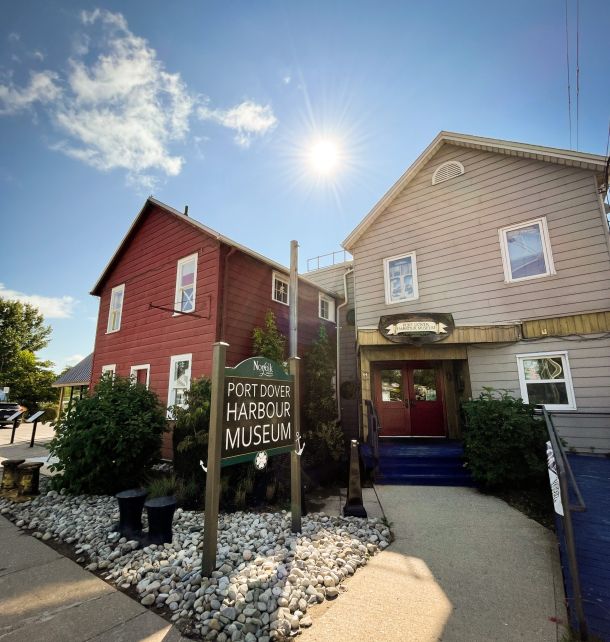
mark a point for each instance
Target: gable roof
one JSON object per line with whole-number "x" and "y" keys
{"x": 567, "y": 157}
{"x": 197, "y": 225}
{"x": 79, "y": 375}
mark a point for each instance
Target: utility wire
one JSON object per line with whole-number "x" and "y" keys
{"x": 568, "y": 70}
{"x": 577, "y": 70}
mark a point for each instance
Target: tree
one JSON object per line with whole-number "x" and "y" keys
{"x": 21, "y": 328}
{"x": 269, "y": 341}
{"x": 323, "y": 436}
{"x": 22, "y": 333}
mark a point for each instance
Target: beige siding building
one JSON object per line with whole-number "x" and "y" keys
{"x": 486, "y": 265}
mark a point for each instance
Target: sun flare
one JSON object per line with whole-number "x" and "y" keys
{"x": 324, "y": 157}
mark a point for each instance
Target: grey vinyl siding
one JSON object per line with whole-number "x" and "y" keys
{"x": 496, "y": 366}
{"x": 453, "y": 229}
{"x": 332, "y": 279}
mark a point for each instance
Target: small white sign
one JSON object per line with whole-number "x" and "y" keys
{"x": 405, "y": 327}
{"x": 554, "y": 479}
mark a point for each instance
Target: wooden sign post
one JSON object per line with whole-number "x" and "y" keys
{"x": 254, "y": 415}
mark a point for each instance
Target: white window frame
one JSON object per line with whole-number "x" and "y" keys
{"x": 280, "y": 277}
{"x": 331, "y": 307}
{"x": 144, "y": 366}
{"x": 386, "y": 278}
{"x": 178, "y": 290}
{"x": 172, "y": 365}
{"x": 563, "y": 354}
{"x": 109, "y": 368}
{"x": 546, "y": 250}
{"x": 117, "y": 288}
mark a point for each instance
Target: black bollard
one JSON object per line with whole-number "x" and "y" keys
{"x": 131, "y": 503}
{"x": 160, "y": 512}
{"x": 354, "y": 506}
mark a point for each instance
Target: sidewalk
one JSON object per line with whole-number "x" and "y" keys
{"x": 21, "y": 448}
{"x": 45, "y": 597}
{"x": 465, "y": 567}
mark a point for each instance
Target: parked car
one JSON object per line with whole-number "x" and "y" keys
{"x": 7, "y": 409}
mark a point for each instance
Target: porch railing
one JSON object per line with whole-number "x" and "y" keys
{"x": 374, "y": 429}
{"x": 566, "y": 478}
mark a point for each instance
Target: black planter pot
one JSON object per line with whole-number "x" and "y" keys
{"x": 160, "y": 512}
{"x": 131, "y": 503}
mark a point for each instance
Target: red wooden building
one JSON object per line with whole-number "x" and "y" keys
{"x": 174, "y": 287}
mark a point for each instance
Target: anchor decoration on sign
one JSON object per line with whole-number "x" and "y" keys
{"x": 300, "y": 447}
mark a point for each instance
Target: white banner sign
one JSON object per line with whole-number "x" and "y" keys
{"x": 404, "y": 327}
{"x": 554, "y": 479}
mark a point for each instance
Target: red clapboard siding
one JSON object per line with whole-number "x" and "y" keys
{"x": 148, "y": 266}
{"x": 247, "y": 299}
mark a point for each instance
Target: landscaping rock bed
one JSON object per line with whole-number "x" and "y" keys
{"x": 267, "y": 576}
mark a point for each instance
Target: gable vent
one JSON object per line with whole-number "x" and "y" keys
{"x": 447, "y": 171}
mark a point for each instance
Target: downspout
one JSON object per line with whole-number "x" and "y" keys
{"x": 338, "y": 377}
{"x": 225, "y": 290}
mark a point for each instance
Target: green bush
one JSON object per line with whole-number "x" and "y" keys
{"x": 321, "y": 432}
{"x": 504, "y": 442}
{"x": 269, "y": 341}
{"x": 190, "y": 440}
{"x": 108, "y": 439}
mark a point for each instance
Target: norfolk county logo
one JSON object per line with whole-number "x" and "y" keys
{"x": 263, "y": 369}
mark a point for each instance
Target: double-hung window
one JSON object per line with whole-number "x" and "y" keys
{"x": 400, "y": 275}
{"x": 116, "y": 308}
{"x": 326, "y": 307}
{"x": 526, "y": 251}
{"x": 545, "y": 379}
{"x": 186, "y": 279}
{"x": 280, "y": 289}
{"x": 179, "y": 379}
{"x": 141, "y": 374}
{"x": 110, "y": 368}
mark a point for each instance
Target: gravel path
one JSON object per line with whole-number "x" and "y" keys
{"x": 267, "y": 576}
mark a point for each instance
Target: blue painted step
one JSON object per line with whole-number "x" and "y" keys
{"x": 429, "y": 462}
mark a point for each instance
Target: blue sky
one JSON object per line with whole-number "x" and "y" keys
{"x": 216, "y": 105}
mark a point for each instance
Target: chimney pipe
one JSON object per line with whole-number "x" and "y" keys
{"x": 186, "y": 210}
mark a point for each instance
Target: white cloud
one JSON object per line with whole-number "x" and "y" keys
{"x": 123, "y": 110}
{"x": 42, "y": 88}
{"x": 14, "y": 37}
{"x": 50, "y": 307}
{"x": 248, "y": 119}
{"x": 287, "y": 79}
{"x": 73, "y": 359}
{"x": 38, "y": 55}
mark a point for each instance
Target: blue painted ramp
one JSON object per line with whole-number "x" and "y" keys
{"x": 592, "y": 537}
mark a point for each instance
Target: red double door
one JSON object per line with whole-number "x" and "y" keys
{"x": 409, "y": 399}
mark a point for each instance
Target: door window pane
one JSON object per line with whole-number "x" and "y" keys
{"x": 424, "y": 384}
{"x": 391, "y": 385}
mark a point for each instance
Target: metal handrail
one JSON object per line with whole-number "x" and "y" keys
{"x": 563, "y": 467}
{"x": 344, "y": 254}
{"x": 374, "y": 428}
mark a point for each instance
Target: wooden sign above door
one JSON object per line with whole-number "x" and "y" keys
{"x": 416, "y": 328}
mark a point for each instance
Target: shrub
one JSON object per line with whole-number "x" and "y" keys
{"x": 108, "y": 439}
{"x": 190, "y": 440}
{"x": 321, "y": 432}
{"x": 269, "y": 341}
{"x": 504, "y": 442}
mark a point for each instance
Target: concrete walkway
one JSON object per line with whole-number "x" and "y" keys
{"x": 465, "y": 567}
{"x": 45, "y": 597}
{"x": 21, "y": 448}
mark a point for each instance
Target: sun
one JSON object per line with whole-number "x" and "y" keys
{"x": 324, "y": 157}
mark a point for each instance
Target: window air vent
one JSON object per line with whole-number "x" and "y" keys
{"x": 447, "y": 171}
